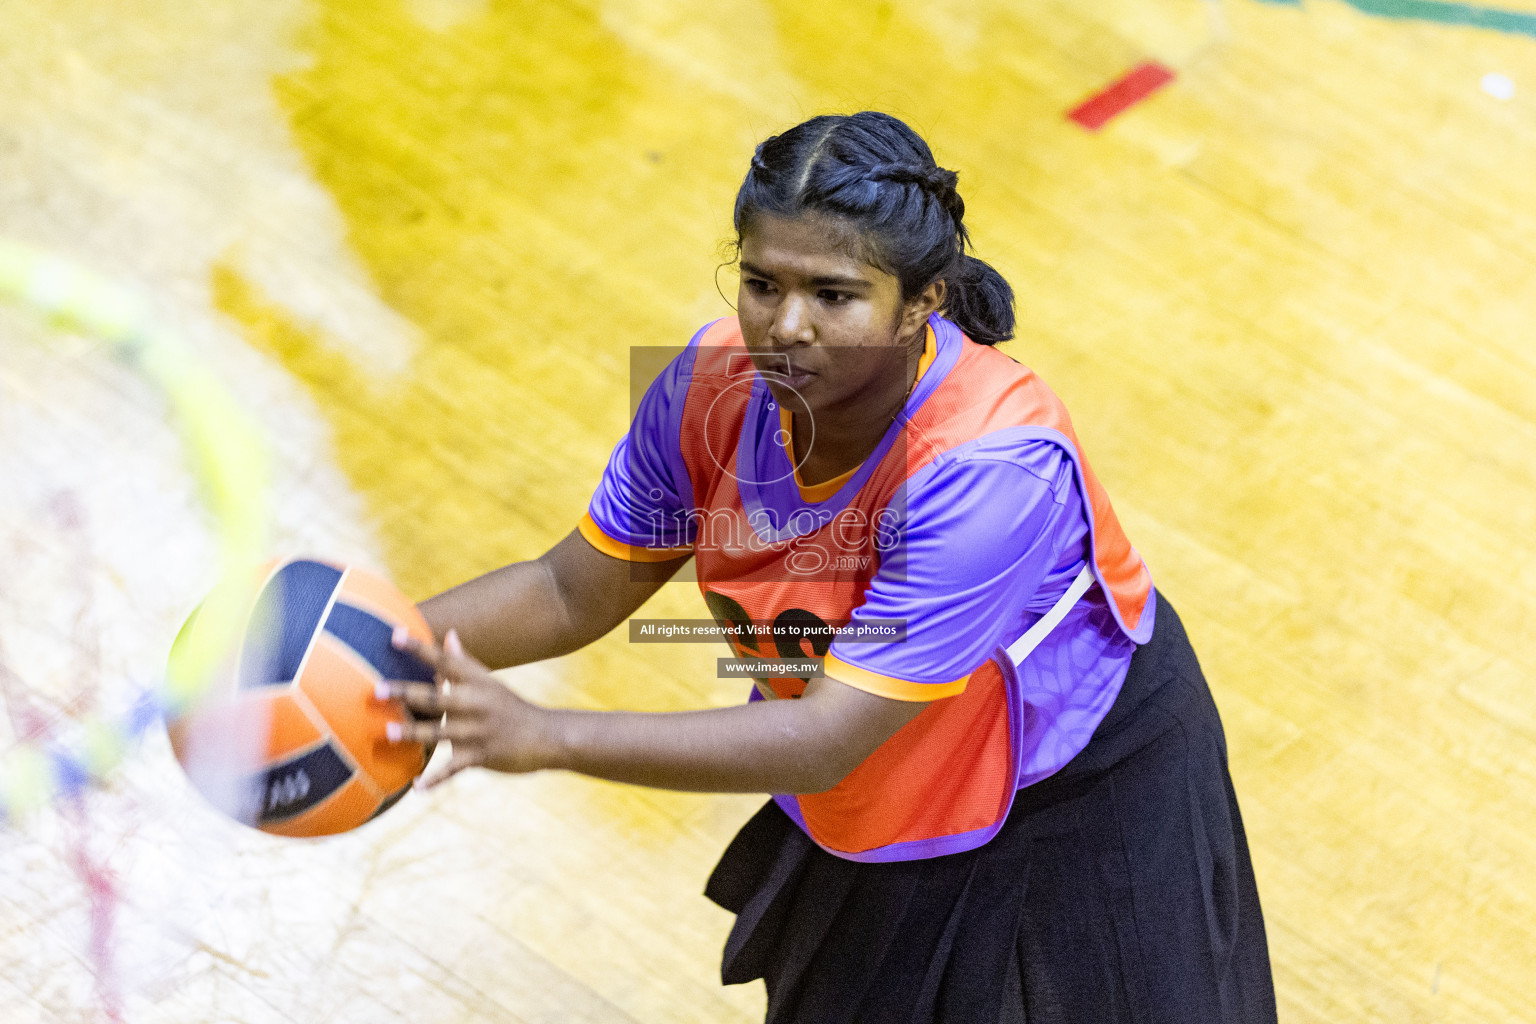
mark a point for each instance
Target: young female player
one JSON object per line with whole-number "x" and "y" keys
{"x": 1014, "y": 808}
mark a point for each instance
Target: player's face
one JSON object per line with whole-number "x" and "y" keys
{"x": 821, "y": 324}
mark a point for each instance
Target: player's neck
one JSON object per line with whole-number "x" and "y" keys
{"x": 844, "y": 437}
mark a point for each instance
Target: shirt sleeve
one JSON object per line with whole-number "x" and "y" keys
{"x": 989, "y": 540}
{"x": 641, "y": 509}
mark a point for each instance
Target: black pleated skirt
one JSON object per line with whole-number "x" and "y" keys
{"x": 1119, "y": 889}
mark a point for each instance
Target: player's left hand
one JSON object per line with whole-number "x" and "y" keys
{"x": 486, "y": 723}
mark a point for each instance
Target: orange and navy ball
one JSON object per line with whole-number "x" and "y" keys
{"x": 289, "y": 737}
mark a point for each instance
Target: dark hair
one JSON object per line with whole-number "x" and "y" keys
{"x": 873, "y": 171}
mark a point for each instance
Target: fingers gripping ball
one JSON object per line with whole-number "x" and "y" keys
{"x": 290, "y": 736}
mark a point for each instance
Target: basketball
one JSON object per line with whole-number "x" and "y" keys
{"x": 289, "y": 736}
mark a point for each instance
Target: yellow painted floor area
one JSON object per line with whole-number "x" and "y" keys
{"x": 1289, "y": 300}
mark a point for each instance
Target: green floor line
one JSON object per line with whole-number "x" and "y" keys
{"x": 1514, "y": 22}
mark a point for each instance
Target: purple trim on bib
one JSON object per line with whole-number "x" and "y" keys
{"x": 921, "y": 849}
{"x": 947, "y": 344}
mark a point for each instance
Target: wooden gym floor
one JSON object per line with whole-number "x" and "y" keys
{"x": 1289, "y": 300}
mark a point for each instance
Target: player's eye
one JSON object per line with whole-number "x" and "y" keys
{"x": 835, "y": 298}
{"x": 757, "y": 285}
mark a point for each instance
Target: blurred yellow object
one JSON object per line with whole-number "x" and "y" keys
{"x": 228, "y": 458}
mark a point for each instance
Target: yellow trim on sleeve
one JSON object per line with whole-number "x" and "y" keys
{"x": 618, "y": 549}
{"x": 886, "y": 686}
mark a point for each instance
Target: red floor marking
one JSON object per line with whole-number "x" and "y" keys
{"x": 1137, "y": 84}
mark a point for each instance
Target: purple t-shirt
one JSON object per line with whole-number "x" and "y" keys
{"x": 992, "y": 534}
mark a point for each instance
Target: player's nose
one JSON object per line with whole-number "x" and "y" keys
{"x": 792, "y": 323}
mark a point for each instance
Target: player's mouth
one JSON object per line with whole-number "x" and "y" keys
{"x": 779, "y": 370}
{"x": 796, "y": 377}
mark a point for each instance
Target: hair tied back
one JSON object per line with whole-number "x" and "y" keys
{"x": 859, "y": 167}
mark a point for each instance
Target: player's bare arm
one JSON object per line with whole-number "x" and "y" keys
{"x": 533, "y": 610}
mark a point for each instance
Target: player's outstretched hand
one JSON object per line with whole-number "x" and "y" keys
{"x": 487, "y": 724}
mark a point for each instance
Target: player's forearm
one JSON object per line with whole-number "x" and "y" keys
{"x": 766, "y": 747}
{"x": 529, "y": 611}
{"x": 779, "y": 746}
{"x": 511, "y": 616}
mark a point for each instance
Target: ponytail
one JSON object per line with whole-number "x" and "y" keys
{"x": 979, "y": 301}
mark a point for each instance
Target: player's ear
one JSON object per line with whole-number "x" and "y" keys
{"x": 916, "y": 310}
